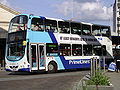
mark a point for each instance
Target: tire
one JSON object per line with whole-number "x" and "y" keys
{"x": 52, "y": 67}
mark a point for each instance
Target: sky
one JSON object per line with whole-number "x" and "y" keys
{"x": 91, "y": 11}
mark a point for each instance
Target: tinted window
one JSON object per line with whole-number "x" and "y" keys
{"x": 76, "y": 50}
{"x": 18, "y": 23}
{"x": 64, "y": 27}
{"x": 96, "y": 30}
{"x": 51, "y": 49}
{"x": 76, "y": 28}
{"x": 37, "y": 24}
{"x": 50, "y": 25}
{"x": 105, "y": 31}
{"x": 87, "y": 50}
{"x": 65, "y": 49}
{"x": 86, "y": 29}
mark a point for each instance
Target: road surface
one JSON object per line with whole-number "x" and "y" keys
{"x": 40, "y": 81}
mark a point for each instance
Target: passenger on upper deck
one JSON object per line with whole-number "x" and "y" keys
{"x": 35, "y": 27}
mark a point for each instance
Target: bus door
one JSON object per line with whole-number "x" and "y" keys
{"x": 33, "y": 56}
{"x": 41, "y": 57}
{"x": 37, "y": 57}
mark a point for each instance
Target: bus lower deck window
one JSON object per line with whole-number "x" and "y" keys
{"x": 65, "y": 50}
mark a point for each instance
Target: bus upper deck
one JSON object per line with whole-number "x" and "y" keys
{"x": 44, "y": 24}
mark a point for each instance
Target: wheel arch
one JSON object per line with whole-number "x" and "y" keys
{"x": 54, "y": 63}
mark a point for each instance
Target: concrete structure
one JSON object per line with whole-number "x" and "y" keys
{"x": 116, "y": 27}
{"x": 116, "y": 18}
{"x": 6, "y": 14}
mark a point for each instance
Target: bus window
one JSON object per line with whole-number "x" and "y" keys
{"x": 87, "y": 50}
{"x": 65, "y": 50}
{"x": 37, "y": 24}
{"x": 86, "y": 29}
{"x": 50, "y": 25}
{"x": 104, "y": 50}
{"x": 16, "y": 50}
{"x": 64, "y": 27}
{"x": 96, "y": 30}
{"x": 51, "y": 49}
{"x": 76, "y": 50}
{"x": 97, "y": 50}
{"x": 105, "y": 31}
{"x": 76, "y": 28}
{"x": 18, "y": 23}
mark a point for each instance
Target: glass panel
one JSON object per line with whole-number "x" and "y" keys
{"x": 41, "y": 56}
{"x": 76, "y": 28}
{"x": 15, "y": 51}
{"x": 105, "y": 31}
{"x": 65, "y": 50}
{"x": 16, "y": 36}
{"x": 97, "y": 50}
{"x": 104, "y": 50}
{"x": 51, "y": 49}
{"x": 96, "y": 30}
{"x": 50, "y": 25}
{"x": 37, "y": 24}
{"x": 86, "y": 29}
{"x": 76, "y": 50}
{"x": 18, "y": 23}
{"x": 33, "y": 50}
{"x": 64, "y": 27}
{"x": 87, "y": 50}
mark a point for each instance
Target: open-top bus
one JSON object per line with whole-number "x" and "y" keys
{"x": 37, "y": 43}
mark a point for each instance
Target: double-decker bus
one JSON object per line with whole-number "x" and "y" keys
{"x": 37, "y": 43}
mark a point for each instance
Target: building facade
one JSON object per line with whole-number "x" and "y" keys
{"x": 116, "y": 18}
{"x": 6, "y": 14}
{"x": 116, "y": 27}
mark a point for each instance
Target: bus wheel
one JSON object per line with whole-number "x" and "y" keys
{"x": 52, "y": 67}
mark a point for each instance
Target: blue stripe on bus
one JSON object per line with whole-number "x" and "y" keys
{"x": 52, "y": 37}
{"x": 72, "y": 64}
{"x": 8, "y": 70}
{"x": 24, "y": 69}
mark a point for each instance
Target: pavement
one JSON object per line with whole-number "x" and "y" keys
{"x": 114, "y": 79}
{"x": 113, "y": 76}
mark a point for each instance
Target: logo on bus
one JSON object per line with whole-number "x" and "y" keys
{"x": 79, "y": 61}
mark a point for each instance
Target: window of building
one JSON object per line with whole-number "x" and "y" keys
{"x": 63, "y": 27}
{"x": 76, "y": 28}
{"x": 50, "y": 25}
{"x": 65, "y": 50}
{"x": 77, "y": 50}
{"x": 87, "y": 50}
{"x": 52, "y": 49}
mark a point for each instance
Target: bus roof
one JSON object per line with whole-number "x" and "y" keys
{"x": 87, "y": 23}
{"x": 63, "y": 20}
